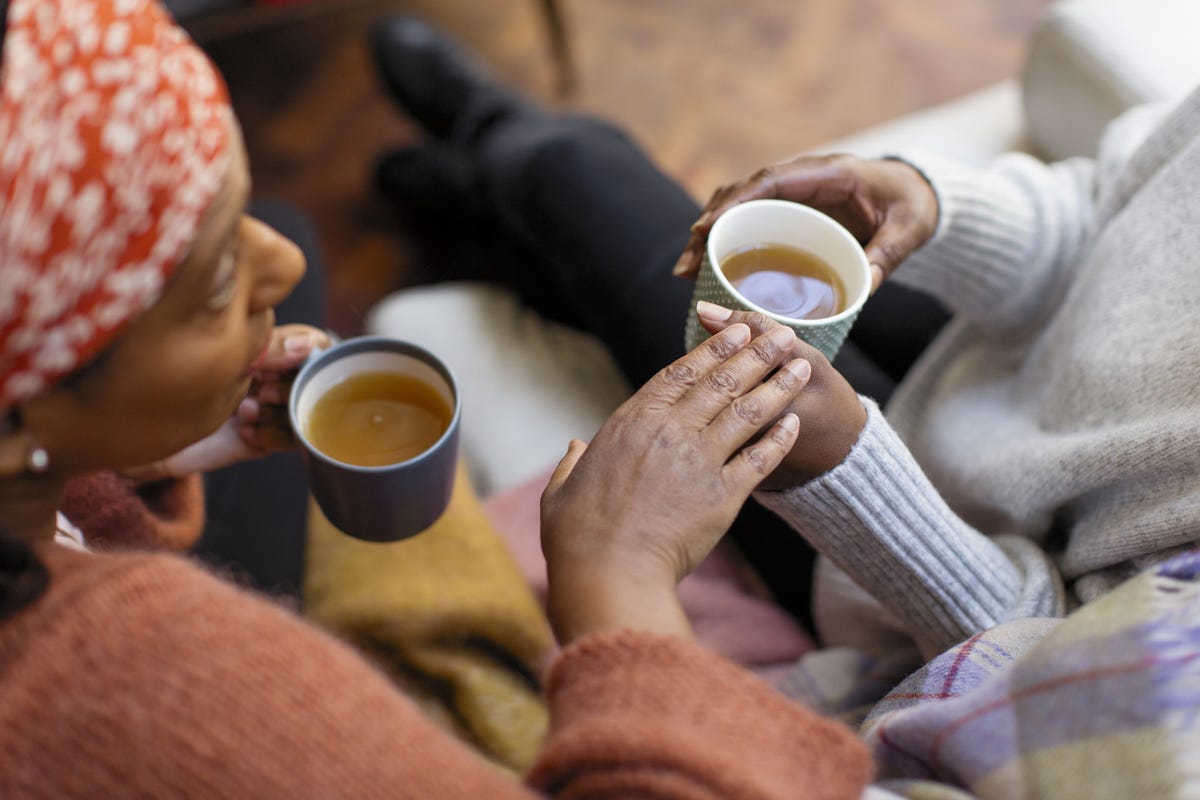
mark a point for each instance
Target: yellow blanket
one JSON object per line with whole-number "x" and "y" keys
{"x": 448, "y": 615}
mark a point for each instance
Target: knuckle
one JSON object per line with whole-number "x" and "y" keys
{"x": 679, "y": 375}
{"x": 721, "y": 347}
{"x": 893, "y": 252}
{"x": 780, "y": 436}
{"x": 749, "y": 410}
{"x": 722, "y": 381}
{"x": 757, "y": 458}
{"x": 759, "y": 321}
{"x": 767, "y": 176}
{"x": 785, "y": 381}
{"x": 764, "y": 350}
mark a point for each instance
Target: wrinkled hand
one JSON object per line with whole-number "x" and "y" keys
{"x": 830, "y": 413}
{"x": 260, "y": 424}
{"x": 626, "y": 517}
{"x": 887, "y": 205}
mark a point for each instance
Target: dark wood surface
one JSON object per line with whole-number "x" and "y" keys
{"x": 712, "y": 89}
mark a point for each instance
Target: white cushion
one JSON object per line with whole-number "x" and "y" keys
{"x": 1090, "y": 60}
{"x": 972, "y": 129}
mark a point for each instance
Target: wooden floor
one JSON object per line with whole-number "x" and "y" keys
{"x": 712, "y": 89}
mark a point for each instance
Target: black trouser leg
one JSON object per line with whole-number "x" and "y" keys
{"x": 604, "y": 226}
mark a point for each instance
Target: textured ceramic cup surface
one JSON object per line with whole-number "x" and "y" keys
{"x": 758, "y": 222}
{"x": 390, "y": 502}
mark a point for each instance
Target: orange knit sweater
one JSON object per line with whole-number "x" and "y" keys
{"x": 140, "y": 675}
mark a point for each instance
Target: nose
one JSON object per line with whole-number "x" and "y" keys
{"x": 275, "y": 261}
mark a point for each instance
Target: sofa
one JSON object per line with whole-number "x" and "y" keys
{"x": 529, "y": 385}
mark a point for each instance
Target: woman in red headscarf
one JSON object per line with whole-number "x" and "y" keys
{"x": 137, "y": 335}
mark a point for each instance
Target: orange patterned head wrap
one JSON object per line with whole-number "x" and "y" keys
{"x": 115, "y": 134}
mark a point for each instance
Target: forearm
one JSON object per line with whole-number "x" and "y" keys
{"x": 881, "y": 521}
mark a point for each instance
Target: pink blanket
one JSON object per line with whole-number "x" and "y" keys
{"x": 731, "y": 613}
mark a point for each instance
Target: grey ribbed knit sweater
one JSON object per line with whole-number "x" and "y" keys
{"x": 1051, "y": 435}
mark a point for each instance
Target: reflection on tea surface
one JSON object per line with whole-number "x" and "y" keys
{"x": 785, "y": 280}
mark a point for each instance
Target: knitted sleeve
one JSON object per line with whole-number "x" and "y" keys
{"x": 881, "y": 521}
{"x": 1009, "y": 235}
{"x": 1005, "y": 236}
{"x": 142, "y": 676}
{"x": 113, "y": 511}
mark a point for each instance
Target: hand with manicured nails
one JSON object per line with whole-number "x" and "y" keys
{"x": 831, "y": 415}
{"x": 625, "y": 517}
{"x": 887, "y": 205}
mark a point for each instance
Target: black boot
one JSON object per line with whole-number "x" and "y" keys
{"x": 436, "y": 82}
{"x": 434, "y": 177}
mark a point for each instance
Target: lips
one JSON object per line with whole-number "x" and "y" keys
{"x": 258, "y": 360}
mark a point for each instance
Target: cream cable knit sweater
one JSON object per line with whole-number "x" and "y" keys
{"x": 1051, "y": 435}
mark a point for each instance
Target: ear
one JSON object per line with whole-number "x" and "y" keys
{"x": 16, "y": 442}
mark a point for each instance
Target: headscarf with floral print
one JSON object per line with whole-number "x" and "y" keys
{"x": 114, "y": 138}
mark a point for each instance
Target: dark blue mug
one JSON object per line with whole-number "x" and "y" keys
{"x": 377, "y": 503}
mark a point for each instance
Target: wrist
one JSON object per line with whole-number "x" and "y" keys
{"x": 147, "y": 473}
{"x": 591, "y": 598}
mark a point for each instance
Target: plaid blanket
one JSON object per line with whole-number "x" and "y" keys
{"x": 1101, "y": 704}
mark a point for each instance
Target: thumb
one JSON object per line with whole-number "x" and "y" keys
{"x": 290, "y": 345}
{"x": 566, "y": 465}
{"x": 892, "y": 243}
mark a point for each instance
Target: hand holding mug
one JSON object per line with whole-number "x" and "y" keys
{"x": 626, "y": 517}
{"x": 886, "y": 204}
{"x": 830, "y": 414}
{"x": 262, "y": 418}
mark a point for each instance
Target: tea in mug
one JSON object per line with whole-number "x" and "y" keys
{"x": 372, "y": 419}
{"x": 785, "y": 280}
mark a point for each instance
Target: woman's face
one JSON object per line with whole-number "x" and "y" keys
{"x": 179, "y": 370}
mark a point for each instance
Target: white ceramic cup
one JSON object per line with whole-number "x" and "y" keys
{"x": 780, "y": 222}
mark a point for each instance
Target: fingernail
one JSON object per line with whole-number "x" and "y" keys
{"x": 712, "y": 311}
{"x": 297, "y": 343}
{"x": 800, "y": 368}
{"x": 739, "y": 334}
{"x": 876, "y": 276}
{"x": 682, "y": 265}
{"x": 248, "y": 409}
{"x": 700, "y": 223}
{"x": 782, "y": 337}
{"x": 790, "y": 422}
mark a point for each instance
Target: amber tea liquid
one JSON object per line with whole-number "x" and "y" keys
{"x": 785, "y": 280}
{"x": 373, "y": 419}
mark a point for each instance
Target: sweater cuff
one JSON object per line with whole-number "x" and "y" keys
{"x": 878, "y": 518}
{"x": 116, "y": 513}
{"x": 632, "y": 709}
{"x": 981, "y": 243}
